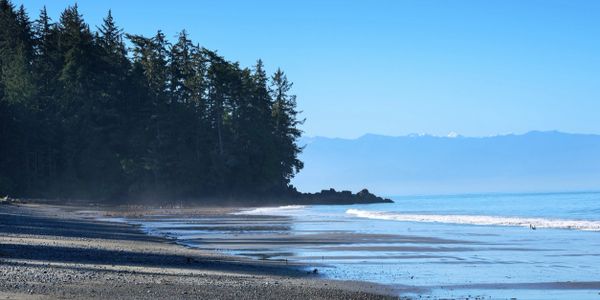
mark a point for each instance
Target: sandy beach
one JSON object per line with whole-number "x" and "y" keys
{"x": 64, "y": 252}
{"x": 82, "y": 251}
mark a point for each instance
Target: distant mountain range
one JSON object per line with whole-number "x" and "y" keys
{"x": 421, "y": 164}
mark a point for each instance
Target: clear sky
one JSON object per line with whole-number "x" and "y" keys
{"x": 396, "y": 67}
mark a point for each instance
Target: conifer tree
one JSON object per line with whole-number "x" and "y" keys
{"x": 152, "y": 57}
{"x": 80, "y": 118}
{"x": 286, "y": 132}
{"x": 87, "y": 164}
{"x": 47, "y": 63}
{"x": 18, "y": 98}
{"x": 182, "y": 69}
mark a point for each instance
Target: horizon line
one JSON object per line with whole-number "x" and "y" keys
{"x": 452, "y": 135}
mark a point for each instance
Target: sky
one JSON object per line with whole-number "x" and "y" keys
{"x": 391, "y": 67}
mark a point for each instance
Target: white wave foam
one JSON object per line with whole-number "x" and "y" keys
{"x": 113, "y": 220}
{"x": 276, "y": 211}
{"x": 479, "y": 220}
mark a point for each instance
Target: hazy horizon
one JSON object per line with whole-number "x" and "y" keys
{"x": 534, "y": 162}
{"x": 450, "y": 134}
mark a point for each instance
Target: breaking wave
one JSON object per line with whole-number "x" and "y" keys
{"x": 281, "y": 210}
{"x": 479, "y": 220}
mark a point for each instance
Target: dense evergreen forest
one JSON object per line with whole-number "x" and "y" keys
{"x": 85, "y": 114}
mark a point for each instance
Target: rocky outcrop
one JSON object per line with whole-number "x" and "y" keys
{"x": 331, "y": 196}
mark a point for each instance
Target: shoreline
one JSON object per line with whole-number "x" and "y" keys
{"x": 123, "y": 252}
{"x": 54, "y": 252}
{"x": 324, "y": 197}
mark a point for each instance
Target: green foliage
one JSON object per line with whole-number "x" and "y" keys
{"x": 82, "y": 116}
{"x": 286, "y": 128}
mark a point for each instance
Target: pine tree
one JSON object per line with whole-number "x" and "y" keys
{"x": 253, "y": 127}
{"x": 182, "y": 69}
{"x": 47, "y": 63}
{"x": 111, "y": 105}
{"x": 286, "y": 131}
{"x": 7, "y": 184}
{"x": 25, "y": 31}
{"x": 221, "y": 107}
{"x": 114, "y": 64}
{"x": 79, "y": 118}
{"x": 189, "y": 139}
{"x": 152, "y": 57}
{"x": 16, "y": 48}
{"x": 47, "y": 60}
{"x": 76, "y": 77}
{"x": 18, "y": 100}
{"x": 85, "y": 156}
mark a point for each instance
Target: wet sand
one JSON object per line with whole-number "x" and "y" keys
{"x": 490, "y": 262}
{"x": 65, "y": 252}
{"x": 74, "y": 252}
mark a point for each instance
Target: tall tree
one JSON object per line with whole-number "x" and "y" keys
{"x": 7, "y": 184}
{"x": 81, "y": 118}
{"x": 182, "y": 69}
{"x": 82, "y": 161}
{"x": 222, "y": 78}
{"x": 187, "y": 114}
{"x": 286, "y": 131}
{"x": 254, "y": 127}
{"x": 18, "y": 92}
{"x": 111, "y": 105}
{"x": 152, "y": 56}
{"x": 16, "y": 48}
{"x": 47, "y": 63}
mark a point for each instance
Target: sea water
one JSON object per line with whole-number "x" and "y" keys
{"x": 526, "y": 246}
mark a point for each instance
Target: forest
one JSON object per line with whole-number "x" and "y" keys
{"x": 102, "y": 114}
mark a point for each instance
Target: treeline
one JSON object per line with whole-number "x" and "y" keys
{"x": 82, "y": 115}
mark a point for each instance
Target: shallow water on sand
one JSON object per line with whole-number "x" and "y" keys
{"x": 528, "y": 246}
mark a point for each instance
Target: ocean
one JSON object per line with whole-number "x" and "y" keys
{"x": 493, "y": 246}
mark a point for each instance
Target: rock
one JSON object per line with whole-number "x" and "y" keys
{"x": 332, "y": 196}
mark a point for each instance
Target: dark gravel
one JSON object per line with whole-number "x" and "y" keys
{"x": 51, "y": 252}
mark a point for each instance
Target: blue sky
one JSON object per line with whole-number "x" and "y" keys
{"x": 397, "y": 67}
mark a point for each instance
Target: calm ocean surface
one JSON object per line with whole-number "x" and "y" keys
{"x": 528, "y": 246}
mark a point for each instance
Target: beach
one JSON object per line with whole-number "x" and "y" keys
{"x": 498, "y": 246}
{"x": 434, "y": 247}
{"x": 68, "y": 252}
